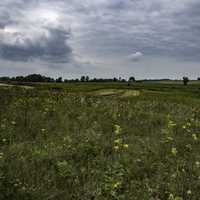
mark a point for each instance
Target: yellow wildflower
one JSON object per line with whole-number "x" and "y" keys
{"x": 15, "y": 185}
{"x": 171, "y": 124}
{"x": 117, "y": 129}
{"x": 173, "y": 175}
{"x": 43, "y": 130}
{"x": 116, "y": 185}
{"x": 174, "y": 151}
{"x": 125, "y": 146}
{"x": 116, "y": 148}
{"x": 13, "y": 123}
{"x": 4, "y": 140}
{"x": 1, "y": 155}
{"x": 188, "y": 124}
{"x": 184, "y": 127}
{"x": 197, "y": 163}
{"x": 171, "y": 197}
{"x": 194, "y": 136}
{"x": 23, "y": 188}
{"x": 117, "y": 141}
{"x": 170, "y": 138}
{"x": 189, "y": 192}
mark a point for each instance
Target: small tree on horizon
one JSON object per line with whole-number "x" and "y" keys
{"x": 59, "y": 80}
{"x": 87, "y": 78}
{"x": 115, "y": 79}
{"x": 185, "y": 80}
{"x": 82, "y": 79}
{"x": 132, "y": 79}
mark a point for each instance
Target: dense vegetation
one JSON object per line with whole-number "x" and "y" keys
{"x": 41, "y": 78}
{"x": 44, "y": 79}
{"x": 100, "y": 142}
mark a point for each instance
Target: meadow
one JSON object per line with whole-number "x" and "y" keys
{"x": 87, "y": 141}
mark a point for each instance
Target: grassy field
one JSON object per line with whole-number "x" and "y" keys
{"x": 100, "y": 142}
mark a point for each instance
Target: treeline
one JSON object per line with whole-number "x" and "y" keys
{"x": 29, "y": 78}
{"x": 40, "y": 78}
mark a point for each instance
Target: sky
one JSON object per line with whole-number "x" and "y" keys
{"x": 100, "y": 38}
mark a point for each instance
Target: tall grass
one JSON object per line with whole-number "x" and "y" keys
{"x": 60, "y": 145}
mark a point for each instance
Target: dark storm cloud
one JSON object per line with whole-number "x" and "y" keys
{"x": 153, "y": 27}
{"x": 51, "y": 48}
{"x": 22, "y": 38}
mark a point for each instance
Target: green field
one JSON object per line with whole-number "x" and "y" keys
{"x": 103, "y": 141}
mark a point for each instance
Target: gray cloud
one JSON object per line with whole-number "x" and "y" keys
{"x": 99, "y": 31}
{"x": 32, "y": 34}
{"x": 135, "y": 57}
{"x": 51, "y": 48}
{"x": 150, "y": 26}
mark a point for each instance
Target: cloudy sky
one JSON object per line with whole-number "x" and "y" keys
{"x": 100, "y": 38}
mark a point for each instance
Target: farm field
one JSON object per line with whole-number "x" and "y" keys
{"x": 109, "y": 141}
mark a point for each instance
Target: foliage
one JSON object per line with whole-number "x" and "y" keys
{"x": 132, "y": 79}
{"x": 185, "y": 80}
{"x": 72, "y": 144}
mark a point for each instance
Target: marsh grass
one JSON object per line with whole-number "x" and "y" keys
{"x": 76, "y": 145}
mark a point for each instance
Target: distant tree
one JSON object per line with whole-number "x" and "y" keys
{"x": 34, "y": 78}
{"x": 29, "y": 78}
{"x": 66, "y": 80}
{"x": 82, "y": 78}
{"x": 19, "y": 78}
{"x": 49, "y": 79}
{"x": 185, "y": 80}
{"x": 198, "y": 79}
{"x": 76, "y": 80}
{"x": 132, "y": 79}
{"x": 13, "y": 79}
{"x": 5, "y": 78}
{"x": 59, "y": 80}
{"x": 115, "y": 79}
{"x": 87, "y": 78}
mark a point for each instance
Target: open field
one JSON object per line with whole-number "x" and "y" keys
{"x": 87, "y": 141}
{"x": 5, "y": 85}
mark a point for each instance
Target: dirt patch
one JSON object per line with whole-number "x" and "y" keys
{"x": 21, "y": 86}
{"x": 121, "y": 93}
{"x": 5, "y": 85}
{"x": 131, "y": 93}
{"x": 107, "y": 92}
